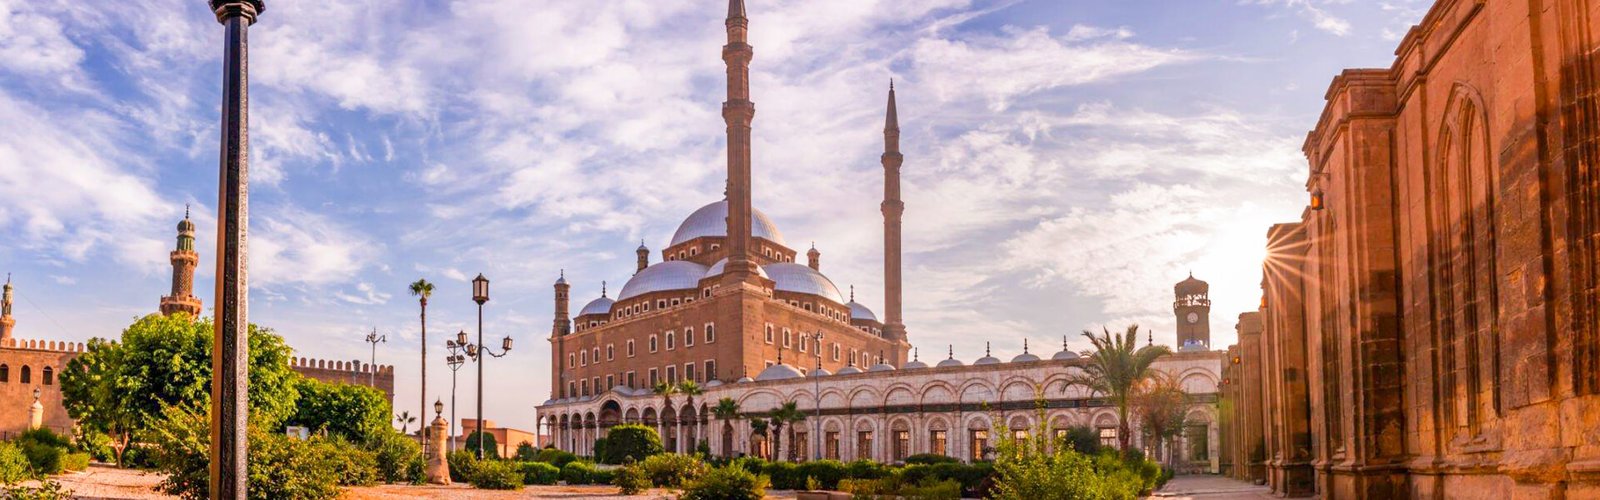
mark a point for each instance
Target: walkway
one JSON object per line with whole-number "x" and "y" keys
{"x": 1210, "y": 488}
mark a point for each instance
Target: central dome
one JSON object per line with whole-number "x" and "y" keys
{"x": 669, "y": 275}
{"x": 712, "y": 220}
{"x": 799, "y": 278}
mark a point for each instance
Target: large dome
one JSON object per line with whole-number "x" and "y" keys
{"x": 799, "y": 278}
{"x": 669, "y": 275}
{"x": 716, "y": 269}
{"x": 779, "y": 372}
{"x": 858, "y": 311}
{"x": 601, "y": 305}
{"x": 712, "y": 220}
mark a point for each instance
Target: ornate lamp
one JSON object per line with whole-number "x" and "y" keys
{"x": 480, "y": 289}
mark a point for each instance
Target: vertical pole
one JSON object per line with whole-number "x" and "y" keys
{"x": 480, "y": 360}
{"x": 452, "y": 409}
{"x": 230, "y": 353}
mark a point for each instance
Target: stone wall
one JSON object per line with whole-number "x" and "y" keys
{"x": 34, "y": 357}
{"x": 352, "y": 372}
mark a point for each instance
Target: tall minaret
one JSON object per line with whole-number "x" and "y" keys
{"x": 563, "y": 324}
{"x": 894, "y": 326}
{"x": 814, "y": 258}
{"x": 643, "y": 252}
{"x": 738, "y": 112}
{"x": 6, "y": 322}
{"x": 184, "y": 258}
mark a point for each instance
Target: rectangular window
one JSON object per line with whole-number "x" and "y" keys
{"x": 646, "y": 307}
{"x": 711, "y": 333}
{"x": 801, "y": 446}
{"x": 688, "y": 372}
{"x": 654, "y": 378}
{"x": 630, "y": 349}
{"x": 831, "y": 444}
{"x": 902, "y": 445}
{"x": 583, "y": 358}
{"x": 864, "y": 445}
{"x": 688, "y": 336}
{"x": 630, "y": 381}
{"x": 672, "y": 338}
{"x": 572, "y": 360}
{"x": 584, "y": 387}
{"x": 672, "y": 374}
{"x": 572, "y": 389}
{"x": 611, "y": 381}
{"x": 596, "y": 356}
{"x": 597, "y": 388}
{"x": 676, "y": 302}
{"x": 835, "y": 351}
{"x": 936, "y": 443}
{"x": 980, "y": 444}
{"x": 1108, "y": 437}
{"x": 711, "y": 370}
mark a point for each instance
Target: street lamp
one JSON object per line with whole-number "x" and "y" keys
{"x": 816, "y": 392}
{"x": 373, "y": 338}
{"x": 454, "y": 360}
{"x": 480, "y": 294}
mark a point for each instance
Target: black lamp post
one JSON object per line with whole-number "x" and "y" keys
{"x": 454, "y": 361}
{"x": 373, "y": 338}
{"x": 480, "y": 294}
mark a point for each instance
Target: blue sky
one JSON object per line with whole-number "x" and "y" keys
{"x": 1066, "y": 160}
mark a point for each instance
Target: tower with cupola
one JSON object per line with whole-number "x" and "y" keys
{"x": 184, "y": 259}
{"x": 1192, "y": 306}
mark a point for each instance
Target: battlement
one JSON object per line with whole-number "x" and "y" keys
{"x": 352, "y": 366}
{"x": 353, "y": 372}
{"x": 43, "y": 345}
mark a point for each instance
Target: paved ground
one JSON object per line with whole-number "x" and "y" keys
{"x": 101, "y": 481}
{"x": 1210, "y": 487}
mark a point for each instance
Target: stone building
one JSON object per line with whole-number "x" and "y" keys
{"x": 1432, "y": 323}
{"x": 730, "y": 309}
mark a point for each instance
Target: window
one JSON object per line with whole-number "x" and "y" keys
{"x": 611, "y": 381}
{"x": 830, "y": 444}
{"x": 688, "y": 372}
{"x": 902, "y": 445}
{"x": 694, "y": 251}
{"x": 1199, "y": 443}
{"x": 853, "y": 357}
{"x": 572, "y": 389}
{"x": 769, "y": 333}
{"x": 936, "y": 442}
{"x": 800, "y": 445}
{"x": 596, "y": 356}
{"x": 688, "y": 336}
{"x": 672, "y": 340}
{"x": 652, "y": 343}
{"x": 647, "y": 306}
{"x": 585, "y": 387}
{"x": 654, "y": 379}
{"x": 583, "y": 358}
{"x": 661, "y": 303}
{"x": 630, "y": 381}
{"x": 864, "y": 445}
{"x": 711, "y": 333}
{"x": 805, "y": 341}
{"x": 611, "y": 352}
{"x": 1108, "y": 437}
{"x": 630, "y": 348}
{"x": 980, "y": 444}
{"x": 835, "y": 351}
{"x": 808, "y": 307}
{"x": 572, "y": 360}
{"x": 672, "y": 374}
{"x": 5, "y": 373}
{"x": 715, "y": 246}
{"x": 49, "y": 376}
{"x": 711, "y": 370}
{"x": 1019, "y": 435}
{"x": 788, "y": 338}
{"x": 597, "y": 388}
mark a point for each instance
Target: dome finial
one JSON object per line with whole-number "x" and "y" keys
{"x": 185, "y": 211}
{"x": 952, "y": 348}
{"x": 986, "y": 349}
{"x": 1024, "y": 346}
{"x": 1063, "y": 342}
{"x": 852, "y": 293}
{"x": 602, "y": 289}
{"x": 916, "y": 354}
{"x": 780, "y": 356}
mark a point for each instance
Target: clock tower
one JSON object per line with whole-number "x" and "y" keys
{"x": 1193, "y": 309}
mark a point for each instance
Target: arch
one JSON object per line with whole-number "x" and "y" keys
{"x": 49, "y": 374}
{"x": 5, "y": 372}
{"x": 864, "y": 397}
{"x": 938, "y": 392}
{"x": 899, "y": 395}
{"x": 978, "y": 391}
{"x": 1018, "y": 388}
{"x": 27, "y": 374}
{"x": 1197, "y": 381}
{"x": 938, "y": 423}
{"x": 759, "y": 400}
{"x": 833, "y": 398}
{"x": 631, "y": 416}
{"x": 649, "y": 416}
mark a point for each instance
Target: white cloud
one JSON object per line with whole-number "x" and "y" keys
{"x": 1319, "y": 16}
{"x": 290, "y": 246}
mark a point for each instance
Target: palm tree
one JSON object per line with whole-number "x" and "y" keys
{"x": 1117, "y": 367}
{"x": 422, "y": 289}
{"x": 690, "y": 389}
{"x": 726, "y": 410}
{"x": 759, "y": 427}
{"x": 405, "y": 420}
{"x": 666, "y": 390}
{"x": 786, "y": 414}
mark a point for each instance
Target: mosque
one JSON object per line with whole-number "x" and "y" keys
{"x": 727, "y": 306}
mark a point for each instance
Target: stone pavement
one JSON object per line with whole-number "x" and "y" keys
{"x": 1210, "y": 487}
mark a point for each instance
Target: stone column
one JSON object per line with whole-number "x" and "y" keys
{"x": 438, "y": 465}
{"x": 229, "y": 392}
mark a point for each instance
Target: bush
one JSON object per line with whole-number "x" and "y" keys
{"x": 1083, "y": 439}
{"x": 399, "y": 457}
{"x": 727, "y": 483}
{"x": 526, "y": 452}
{"x": 556, "y": 457}
{"x": 45, "y": 451}
{"x": 631, "y": 479}
{"x": 14, "y": 466}
{"x": 865, "y": 469}
{"x": 491, "y": 449}
{"x": 827, "y": 473}
{"x": 602, "y": 476}
{"x": 284, "y": 467}
{"x": 578, "y": 473}
{"x": 753, "y": 464}
{"x": 75, "y": 461}
{"x": 670, "y": 470}
{"x": 539, "y": 473}
{"x": 785, "y": 475}
{"x": 930, "y": 459}
{"x": 628, "y": 441}
{"x": 462, "y": 464}
{"x": 496, "y": 475}
{"x": 355, "y": 412}
{"x": 351, "y": 464}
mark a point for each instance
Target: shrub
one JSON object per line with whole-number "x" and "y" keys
{"x": 399, "y": 458}
{"x": 283, "y": 467}
{"x": 491, "y": 449}
{"x": 1083, "y": 439}
{"x": 462, "y": 463}
{"x": 599, "y": 450}
{"x": 13, "y": 464}
{"x": 602, "y": 476}
{"x": 351, "y": 464}
{"x": 727, "y": 483}
{"x": 631, "y": 479}
{"x": 539, "y": 473}
{"x": 75, "y": 461}
{"x": 355, "y": 412}
{"x": 827, "y": 473}
{"x": 496, "y": 475}
{"x": 577, "y": 473}
{"x": 785, "y": 475}
{"x": 865, "y": 469}
{"x": 556, "y": 457}
{"x": 526, "y": 452}
{"x": 930, "y": 459}
{"x": 670, "y": 470}
{"x": 753, "y": 464}
{"x": 628, "y": 441}
{"x": 45, "y": 460}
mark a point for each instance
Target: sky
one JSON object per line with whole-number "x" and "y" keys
{"x": 1066, "y": 161}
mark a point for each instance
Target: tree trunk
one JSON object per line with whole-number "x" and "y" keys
{"x": 422, "y": 393}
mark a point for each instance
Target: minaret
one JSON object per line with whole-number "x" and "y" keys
{"x": 563, "y": 323}
{"x": 644, "y": 256}
{"x": 184, "y": 258}
{"x": 894, "y": 325}
{"x": 814, "y": 258}
{"x": 738, "y": 112}
{"x": 6, "y": 321}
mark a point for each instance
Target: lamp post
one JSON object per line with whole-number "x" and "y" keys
{"x": 454, "y": 360}
{"x": 438, "y": 411}
{"x": 816, "y": 392}
{"x": 373, "y": 338}
{"x": 480, "y": 294}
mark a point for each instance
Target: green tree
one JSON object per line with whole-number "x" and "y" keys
{"x": 491, "y": 449}
{"x": 422, "y": 289}
{"x": 1117, "y": 367}
{"x": 1160, "y": 404}
{"x": 353, "y": 411}
{"x": 120, "y": 388}
{"x": 405, "y": 420}
{"x": 630, "y": 442}
{"x": 785, "y": 415}
{"x": 726, "y": 410}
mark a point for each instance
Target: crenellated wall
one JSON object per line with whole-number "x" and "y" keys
{"x": 42, "y": 361}
{"x": 352, "y": 372}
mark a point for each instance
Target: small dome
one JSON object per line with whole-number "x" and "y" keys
{"x": 711, "y": 383}
{"x": 986, "y": 359}
{"x": 744, "y": 380}
{"x": 880, "y": 367}
{"x": 849, "y": 370}
{"x": 821, "y": 372}
{"x": 716, "y": 269}
{"x": 1065, "y": 355}
{"x": 1024, "y": 358}
{"x": 799, "y": 278}
{"x": 712, "y": 220}
{"x": 563, "y": 279}
{"x": 858, "y": 311}
{"x": 779, "y": 372}
{"x": 185, "y": 225}
{"x": 1190, "y": 285}
{"x": 664, "y": 276}
{"x": 950, "y": 362}
{"x": 914, "y": 365}
{"x": 600, "y": 306}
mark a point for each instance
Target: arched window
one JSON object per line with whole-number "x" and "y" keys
{"x": 5, "y": 373}
{"x": 49, "y": 376}
{"x": 27, "y": 374}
